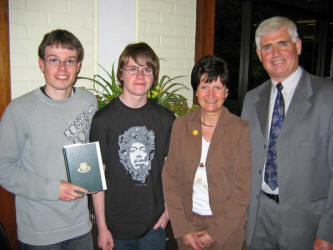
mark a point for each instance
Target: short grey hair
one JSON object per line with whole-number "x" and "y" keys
{"x": 273, "y": 24}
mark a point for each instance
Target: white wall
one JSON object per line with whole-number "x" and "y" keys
{"x": 169, "y": 27}
{"x": 104, "y": 27}
{"x": 29, "y": 20}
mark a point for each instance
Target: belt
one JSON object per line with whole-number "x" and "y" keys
{"x": 274, "y": 197}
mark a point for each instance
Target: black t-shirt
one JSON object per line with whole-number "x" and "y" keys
{"x": 134, "y": 144}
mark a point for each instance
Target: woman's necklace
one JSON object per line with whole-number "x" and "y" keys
{"x": 208, "y": 125}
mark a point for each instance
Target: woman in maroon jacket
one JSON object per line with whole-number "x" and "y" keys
{"x": 206, "y": 177}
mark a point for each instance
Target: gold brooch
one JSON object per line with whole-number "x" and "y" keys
{"x": 195, "y": 132}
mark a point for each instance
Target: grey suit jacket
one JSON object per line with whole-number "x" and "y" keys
{"x": 304, "y": 158}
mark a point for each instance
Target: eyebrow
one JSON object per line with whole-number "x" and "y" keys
{"x": 59, "y": 56}
{"x": 280, "y": 41}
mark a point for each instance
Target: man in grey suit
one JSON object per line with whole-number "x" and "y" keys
{"x": 291, "y": 129}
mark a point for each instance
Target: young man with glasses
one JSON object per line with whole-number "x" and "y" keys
{"x": 134, "y": 134}
{"x": 51, "y": 213}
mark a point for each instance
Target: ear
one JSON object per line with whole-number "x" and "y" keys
{"x": 299, "y": 46}
{"x": 41, "y": 64}
{"x": 258, "y": 53}
{"x": 78, "y": 67}
{"x": 226, "y": 93}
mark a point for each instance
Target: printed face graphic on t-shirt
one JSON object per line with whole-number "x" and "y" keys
{"x": 136, "y": 152}
{"x": 138, "y": 155}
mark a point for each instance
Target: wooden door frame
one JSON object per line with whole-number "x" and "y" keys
{"x": 4, "y": 57}
{"x": 205, "y": 28}
{"x": 7, "y": 207}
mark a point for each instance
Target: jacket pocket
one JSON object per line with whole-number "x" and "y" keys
{"x": 318, "y": 206}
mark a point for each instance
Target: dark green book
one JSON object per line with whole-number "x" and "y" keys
{"x": 84, "y": 166}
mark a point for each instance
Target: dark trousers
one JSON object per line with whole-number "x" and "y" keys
{"x": 152, "y": 240}
{"x": 79, "y": 243}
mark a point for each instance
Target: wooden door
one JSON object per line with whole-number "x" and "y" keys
{"x": 7, "y": 204}
{"x": 204, "y": 37}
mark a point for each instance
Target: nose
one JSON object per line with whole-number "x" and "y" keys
{"x": 62, "y": 65}
{"x": 140, "y": 73}
{"x": 275, "y": 51}
{"x": 211, "y": 92}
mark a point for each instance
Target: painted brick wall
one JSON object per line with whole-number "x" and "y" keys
{"x": 169, "y": 27}
{"x": 30, "y": 20}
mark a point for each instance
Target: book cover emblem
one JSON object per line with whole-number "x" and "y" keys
{"x": 84, "y": 168}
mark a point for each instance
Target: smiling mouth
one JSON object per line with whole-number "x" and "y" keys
{"x": 62, "y": 77}
{"x": 278, "y": 62}
{"x": 211, "y": 101}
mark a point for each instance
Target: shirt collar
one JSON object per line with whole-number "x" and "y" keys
{"x": 290, "y": 83}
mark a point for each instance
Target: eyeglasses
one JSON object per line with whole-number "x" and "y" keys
{"x": 55, "y": 61}
{"x": 133, "y": 70}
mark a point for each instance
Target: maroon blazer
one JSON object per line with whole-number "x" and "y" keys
{"x": 228, "y": 173}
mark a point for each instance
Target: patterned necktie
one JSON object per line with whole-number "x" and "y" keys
{"x": 276, "y": 126}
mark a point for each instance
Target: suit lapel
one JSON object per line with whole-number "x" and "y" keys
{"x": 262, "y": 107}
{"x": 299, "y": 105}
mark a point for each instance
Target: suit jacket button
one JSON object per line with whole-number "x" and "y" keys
{"x": 260, "y": 171}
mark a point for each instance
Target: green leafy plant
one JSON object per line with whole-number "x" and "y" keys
{"x": 165, "y": 92}
{"x": 104, "y": 89}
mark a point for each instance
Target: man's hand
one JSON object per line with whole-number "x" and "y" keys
{"x": 190, "y": 240}
{"x": 320, "y": 244}
{"x": 163, "y": 220}
{"x": 204, "y": 239}
{"x": 105, "y": 239}
{"x": 69, "y": 192}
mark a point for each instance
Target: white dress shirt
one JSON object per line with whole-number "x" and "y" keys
{"x": 289, "y": 86}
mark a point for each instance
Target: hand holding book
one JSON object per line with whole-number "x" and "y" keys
{"x": 69, "y": 192}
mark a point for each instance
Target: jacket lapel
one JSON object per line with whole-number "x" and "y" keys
{"x": 193, "y": 138}
{"x": 262, "y": 107}
{"x": 219, "y": 137}
{"x": 299, "y": 105}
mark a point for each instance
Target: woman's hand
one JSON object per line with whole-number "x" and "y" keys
{"x": 204, "y": 239}
{"x": 190, "y": 240}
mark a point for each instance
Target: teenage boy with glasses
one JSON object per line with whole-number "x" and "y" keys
{"x": 51, "y": 213}
{"x": 134, "y": 134}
